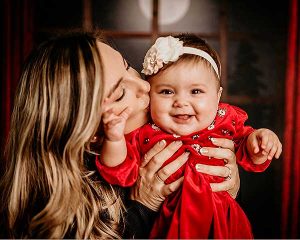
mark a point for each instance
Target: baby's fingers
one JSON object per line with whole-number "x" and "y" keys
{"x": 125, "y": 113}
{"x": 279, "y": 150}
{"x": 269, "y": 147}
{"x": 272, "y": 152}
{"x": 114, "y": 122}
{"x": 254, "y": 145}
{"x": 108, "y": 116}
{"x": 264, "y": 142}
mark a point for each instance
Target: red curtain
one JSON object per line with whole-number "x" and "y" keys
{"x": 17, "y": 41}
{"x": 291, "y": 151}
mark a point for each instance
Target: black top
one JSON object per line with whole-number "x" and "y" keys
{"x": 138, "y": 220}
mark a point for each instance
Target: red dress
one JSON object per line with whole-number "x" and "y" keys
{"x": 194, "y": 211}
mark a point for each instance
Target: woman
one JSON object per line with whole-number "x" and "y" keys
{"x": 50, "y": 188}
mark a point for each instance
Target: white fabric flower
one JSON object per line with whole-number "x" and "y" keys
{"x": 169, "y": 48}
{"x": 165, "y": 50}
{"x": 152, "y": 63}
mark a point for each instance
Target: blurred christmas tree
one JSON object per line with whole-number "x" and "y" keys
{"x": 245, "y": 80}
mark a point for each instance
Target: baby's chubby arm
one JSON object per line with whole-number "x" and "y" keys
{"x": 114, "y": 149}
{"x": 263, "y": 145}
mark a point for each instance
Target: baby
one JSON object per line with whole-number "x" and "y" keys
{"x": 184, "y": 74}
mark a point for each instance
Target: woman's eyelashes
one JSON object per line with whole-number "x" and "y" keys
{"x": 128, "y": 66}
{"x": 118, "y": 94}
{"x": 121, "y": 94}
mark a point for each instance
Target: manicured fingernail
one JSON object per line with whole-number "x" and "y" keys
{"x": 186, "y": 154}
{"x": 198, "y": 167}
{"x": 203, "y": 151}
{"x": 213, "y": 140}
{"x": 162, "y": 143}
{"x": 178, "y": 143}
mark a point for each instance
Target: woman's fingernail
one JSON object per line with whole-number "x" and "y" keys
{"x": 178, "y": 143}
{"x": 213, "y": 140}
{"x": 198, "y": 167}
{"x": 186, "y": 154}
{"x": 162, "y": 143}
{"x": 203, "y": 151}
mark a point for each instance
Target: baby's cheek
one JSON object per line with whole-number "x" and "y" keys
{"x": 155, "y": 111}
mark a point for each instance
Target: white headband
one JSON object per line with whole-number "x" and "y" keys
{"x": 169, "y": 49}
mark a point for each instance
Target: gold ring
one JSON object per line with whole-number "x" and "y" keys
{"x": 159, "y": 178}
{"x": 229, "y": 174}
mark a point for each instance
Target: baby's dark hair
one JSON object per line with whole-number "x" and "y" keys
{"x": 192, "y": 40}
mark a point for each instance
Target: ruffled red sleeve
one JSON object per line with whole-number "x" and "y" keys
{"x": 126, "y": 173}
{"x": 240, "y": 139}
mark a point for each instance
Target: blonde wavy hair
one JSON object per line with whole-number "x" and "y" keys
{"x": 47, "y": 190}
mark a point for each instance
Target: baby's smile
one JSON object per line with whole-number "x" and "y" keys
{"x": 182, "y": 118}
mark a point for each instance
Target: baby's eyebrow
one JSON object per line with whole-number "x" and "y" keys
{"x": 164, "y": 85}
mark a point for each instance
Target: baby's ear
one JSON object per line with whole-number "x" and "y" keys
{"x": 220, "y": 93}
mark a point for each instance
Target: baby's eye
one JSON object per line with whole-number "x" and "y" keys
{"x": 166, "y": 92}
{"x": 197, "y": 91}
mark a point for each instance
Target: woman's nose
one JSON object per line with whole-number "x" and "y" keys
{"x": 143, "y": 87}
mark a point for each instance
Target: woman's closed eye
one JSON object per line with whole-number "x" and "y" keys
{"x": 118, "y": 94}
{"x": 121, "y": 94}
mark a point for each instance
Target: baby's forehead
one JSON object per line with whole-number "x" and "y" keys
{"x": 187, "y": 73}
{"x": 187, "y": 67}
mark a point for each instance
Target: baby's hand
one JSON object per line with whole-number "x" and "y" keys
{"x": 114, "y": 125}
{"x": 263, "y": 144}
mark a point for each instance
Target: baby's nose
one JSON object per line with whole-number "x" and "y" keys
{"x": 180, "y": 103}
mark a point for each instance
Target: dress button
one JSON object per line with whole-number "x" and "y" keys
{"x": 196, "y": 136}
{"x": 146, "y": 140}
{"x": 225, "y": 131}
{"x": 197, "y": 147}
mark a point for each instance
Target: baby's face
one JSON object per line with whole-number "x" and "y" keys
{"x": 184, "y": 98}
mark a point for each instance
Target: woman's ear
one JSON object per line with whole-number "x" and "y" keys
{"x": 220, "y": 93}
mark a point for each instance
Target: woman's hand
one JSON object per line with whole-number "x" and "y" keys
{"x": 229, "y": 171}
{"x": 150, "y": 189}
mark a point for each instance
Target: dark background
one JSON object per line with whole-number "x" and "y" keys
{"x": 256, "y": 49}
